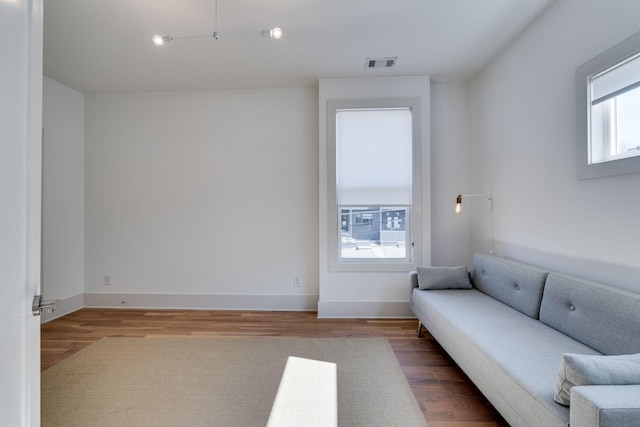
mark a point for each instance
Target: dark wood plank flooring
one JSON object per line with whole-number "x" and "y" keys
{"x": 447, "y": 397}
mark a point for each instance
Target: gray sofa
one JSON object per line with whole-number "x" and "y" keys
{"x": 509, "y": 332}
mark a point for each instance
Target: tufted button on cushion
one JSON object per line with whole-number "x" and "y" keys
{"x": 517, "y": 287}
{"x": 572, "y": 307}
{"x": 484, "y": 273}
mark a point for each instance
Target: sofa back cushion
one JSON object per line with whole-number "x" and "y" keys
{"x": 514, "y": 283}
{"x": 604, "y": 318}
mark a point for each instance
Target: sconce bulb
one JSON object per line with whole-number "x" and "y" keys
{"x": 458, "y": 203}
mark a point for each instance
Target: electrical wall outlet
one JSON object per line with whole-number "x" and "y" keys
{"x": 106, "y": 280}
{"x": 296, "y": 281}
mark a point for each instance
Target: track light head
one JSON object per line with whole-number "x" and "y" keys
{"x": 159, "y": 40}
{"x": 274, "y": 33}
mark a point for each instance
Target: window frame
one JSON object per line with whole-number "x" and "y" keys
{"x": 611, "y": 166}
{"x": 414, "y": 225}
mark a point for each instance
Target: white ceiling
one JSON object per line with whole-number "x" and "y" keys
{"x": 105, "y": 45}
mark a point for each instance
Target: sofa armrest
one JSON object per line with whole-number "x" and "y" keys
{"x": 605, "y": 406}
{"x": 413, "y": 281}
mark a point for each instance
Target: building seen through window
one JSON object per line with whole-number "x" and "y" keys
{"x": 373, "y": 232}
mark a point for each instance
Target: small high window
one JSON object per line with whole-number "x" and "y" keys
{"x": 608, "y": 93}
{"x": 615, "y": 112}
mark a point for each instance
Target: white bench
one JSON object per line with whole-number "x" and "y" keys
{"x": 307, "y": 395}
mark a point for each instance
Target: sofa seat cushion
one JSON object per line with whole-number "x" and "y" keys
{"x": 509, "y": 356}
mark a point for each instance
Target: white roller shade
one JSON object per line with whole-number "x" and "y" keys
{"x": 616, "y": 81}
{"x": 373, "y": 149}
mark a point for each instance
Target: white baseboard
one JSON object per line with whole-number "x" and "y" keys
{"x": 325, "y": 309}
{"x": 203, "y": 302}
{"x": 365, "y": 309}
{"x": 66, "y": 306}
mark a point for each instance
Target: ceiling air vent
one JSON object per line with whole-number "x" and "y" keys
{"x": 381, "y": 62}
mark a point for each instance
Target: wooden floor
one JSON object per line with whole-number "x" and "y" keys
{"x": 446, "y": 396}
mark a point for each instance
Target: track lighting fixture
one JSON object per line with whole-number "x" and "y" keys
{"x": 159, "y": 40}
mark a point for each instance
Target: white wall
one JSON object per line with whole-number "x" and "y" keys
{"x": 371, "y": 294}
{"x": 450, "y": 241}
{"x": 202, "y": 199}
{"x": 523, "y": 147}
{"x": 161, "y": 165}
{"x": 63, "y": 196}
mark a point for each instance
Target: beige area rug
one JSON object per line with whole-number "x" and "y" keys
{"x": 232, "y": 382}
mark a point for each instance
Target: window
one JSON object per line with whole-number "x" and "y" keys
{"x": 608, "y": 89}
{"x": 374, "y": 145}
{"x": 615, "y": 112}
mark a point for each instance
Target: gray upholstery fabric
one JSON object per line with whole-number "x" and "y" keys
{"x": 581, "y": 369}
{"x": 413, "y": 281}
{"x": 512, "y": 358}
{"x": 514, "y": 283}
{"x": 492, "y": 334}
{"x": 605, "y": 406}
{"x": 434, "y": 278}
{"x": 604, "y": 318}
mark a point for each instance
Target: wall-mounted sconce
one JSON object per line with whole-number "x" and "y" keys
{"x": 460, "y": 196}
